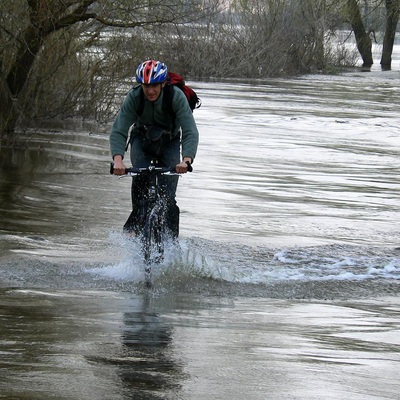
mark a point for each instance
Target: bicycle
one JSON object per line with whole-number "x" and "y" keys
{"x": 151, "y": 213}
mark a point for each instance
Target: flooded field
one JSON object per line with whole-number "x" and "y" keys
{"x": 286, "y": 281}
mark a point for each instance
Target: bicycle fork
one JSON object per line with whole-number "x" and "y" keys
{"x": 153, "y": 237}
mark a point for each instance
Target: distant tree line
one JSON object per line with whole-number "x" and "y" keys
{"x": 72, "y": 58}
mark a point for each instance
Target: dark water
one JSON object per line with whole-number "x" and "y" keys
{"x": 286, "y": 283}
{"x": 115, "y": 345}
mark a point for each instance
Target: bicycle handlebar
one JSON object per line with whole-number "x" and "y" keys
{"x": 160, "y": 170}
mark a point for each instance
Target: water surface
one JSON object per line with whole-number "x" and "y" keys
{"x": 286, "y": 282}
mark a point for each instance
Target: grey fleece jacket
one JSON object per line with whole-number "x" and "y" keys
{"x": 153, "y": 114}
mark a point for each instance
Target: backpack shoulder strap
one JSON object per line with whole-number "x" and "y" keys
{"x": 140, "y": 109}
{"x": 168, "y": 95}
{"x": 139, "y": 112}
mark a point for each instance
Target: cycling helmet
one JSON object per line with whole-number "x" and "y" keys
{"x": 150, "y": 72}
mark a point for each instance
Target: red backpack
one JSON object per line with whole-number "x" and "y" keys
{"x": 192, "y": 98}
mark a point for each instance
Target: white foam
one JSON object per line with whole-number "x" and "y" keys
{"x": 123, "y": 271}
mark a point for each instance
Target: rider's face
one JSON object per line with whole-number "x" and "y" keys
{"x": 152, "y": 91}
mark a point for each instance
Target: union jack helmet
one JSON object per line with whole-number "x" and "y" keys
{"x": 151, "y": 71}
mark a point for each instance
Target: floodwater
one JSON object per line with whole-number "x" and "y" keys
{"x": 286, "y": 282}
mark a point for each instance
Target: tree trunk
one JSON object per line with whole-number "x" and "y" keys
{"x": 45, "y": 17}
{"x": 8, "y": 111}
{"x": 11, "y": 87}
{"x": 392, "y": 18}
{"x": 363, "y": 40}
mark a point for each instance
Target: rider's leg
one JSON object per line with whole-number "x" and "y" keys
{"x": 139, "y": 159}
{"x": 172, "y": 219}
{"x": 135, "y": 221}
{"x": 171, "y": 157}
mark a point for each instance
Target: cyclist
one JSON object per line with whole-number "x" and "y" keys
{"x": 137, "y": 116}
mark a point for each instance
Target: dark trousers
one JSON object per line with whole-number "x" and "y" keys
{"x": 168, "y": 185}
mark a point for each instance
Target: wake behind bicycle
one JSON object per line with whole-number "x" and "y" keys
{"x": 149, "y": 221}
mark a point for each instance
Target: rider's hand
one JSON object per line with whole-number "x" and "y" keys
{"x": 182, "y": 167}
{"x": 119, "y": 166}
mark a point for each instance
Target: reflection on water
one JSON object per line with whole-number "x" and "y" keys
{"x": 145, "y": 362}
{"x": 111, "y": 347}
{"x": 287, "y": 272}
{"x": 108, "y": 345}
{"x": 18, "y": 169}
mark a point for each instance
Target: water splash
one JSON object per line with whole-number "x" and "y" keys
{"x": 224, "y": 263}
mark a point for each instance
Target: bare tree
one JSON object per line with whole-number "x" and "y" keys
{"x": 365, "y": 18}
{"x": 363, "y": 39}
{"x": 41, "y": 37}
{"x": 260, "y": 38}
{"x": 40, "y": 19}
{"x": 392, "y": 18}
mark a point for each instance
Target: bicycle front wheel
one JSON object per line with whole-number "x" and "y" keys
{"x": 153, "y": 238}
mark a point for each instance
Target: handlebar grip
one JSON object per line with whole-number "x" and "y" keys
{"x": 112, "y": 169}
{"x": 189, "y": 166}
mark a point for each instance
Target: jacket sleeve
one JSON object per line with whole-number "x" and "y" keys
{"x": 185, "y": 120}
{"x": 126, "y": 117}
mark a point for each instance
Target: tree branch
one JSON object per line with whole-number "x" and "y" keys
{"x": 72, "y": 19}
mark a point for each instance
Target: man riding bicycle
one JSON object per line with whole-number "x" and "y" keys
{"x": 144, "y": 114}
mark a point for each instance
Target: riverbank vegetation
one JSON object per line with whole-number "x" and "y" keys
{"x": 71, "y": 58}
